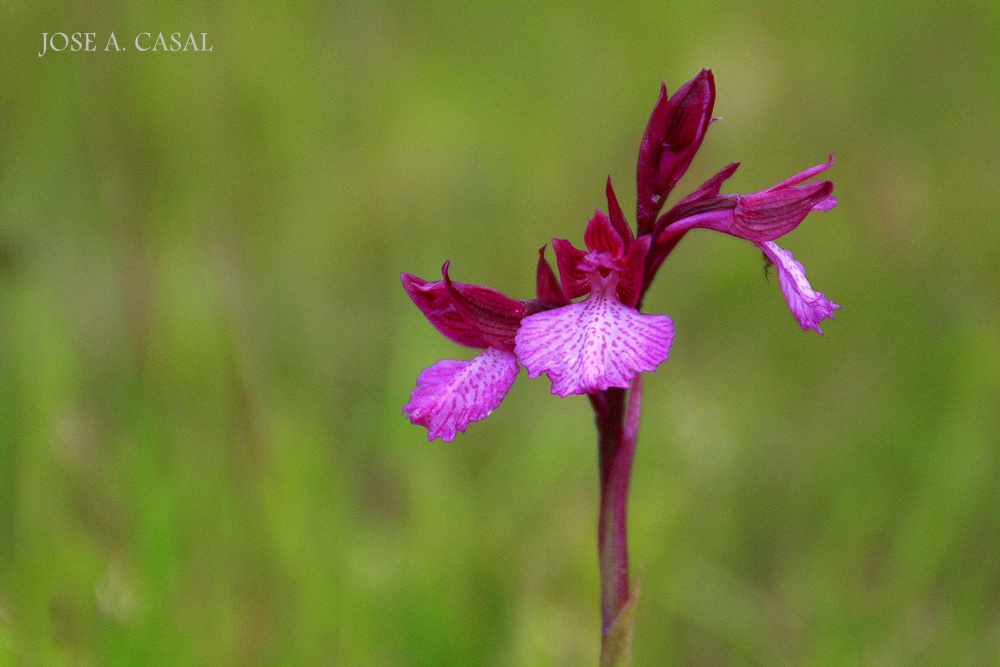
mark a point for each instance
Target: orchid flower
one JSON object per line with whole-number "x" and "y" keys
{"x": 600, "y": 345}
{"x": 451, "y": 394}
{"x": 604, "y": 341}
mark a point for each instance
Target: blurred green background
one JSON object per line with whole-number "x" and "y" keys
{"x": 204, "y": 346}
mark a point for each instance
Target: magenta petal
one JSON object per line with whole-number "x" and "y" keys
{"x": 452, "y": 394}
{"x": 808, "y": 306}
{"x": 594, "y": 344}
{"x": 827, "y": 204}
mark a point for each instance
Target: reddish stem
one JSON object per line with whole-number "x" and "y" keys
{"x": 617, "y": 428}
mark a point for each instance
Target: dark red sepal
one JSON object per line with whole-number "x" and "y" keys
{"x": 575, "y": 282}
{"x": 618, "y": 220}
{"x": 495, "y": 315}
{"x": 434, "y": 301}
{"x": 601, "y": 236}
{"x": 547, "y": 287}
{"x": 630, "y": 282}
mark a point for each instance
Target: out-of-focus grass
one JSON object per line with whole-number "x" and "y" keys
{"x": 204, "y": 346}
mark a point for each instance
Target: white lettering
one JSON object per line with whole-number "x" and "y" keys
{"x": 52, "y": 41}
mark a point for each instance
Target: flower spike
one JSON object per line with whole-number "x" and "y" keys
{"x": 603, "y": 342}
{"x": 600, "y": 344}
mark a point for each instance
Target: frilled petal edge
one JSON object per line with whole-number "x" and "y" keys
{"x": 807, "y": 305}
{"x": 452, "y": 394}
{"x": 594, "y": 344}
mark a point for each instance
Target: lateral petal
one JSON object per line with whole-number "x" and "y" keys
{"x": 575, "y": 281}
{"x": 630, "y": 281}
{"x": 452, "y": 394}
{"x": 547, "y": 286}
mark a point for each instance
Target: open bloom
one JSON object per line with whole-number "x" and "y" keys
{"x": 759, "y": 217}
{"x": 603, "y": 341}
{"x": 452, "y": 394}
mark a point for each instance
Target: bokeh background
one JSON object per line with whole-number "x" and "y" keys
{"x": 204, "y": 346}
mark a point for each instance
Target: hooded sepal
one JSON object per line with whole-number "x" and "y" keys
{"x": 601, "y": 236}
{"x": 764, "y": 216}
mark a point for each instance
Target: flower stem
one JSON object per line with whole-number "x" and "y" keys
{"x": 617, "y": 428}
